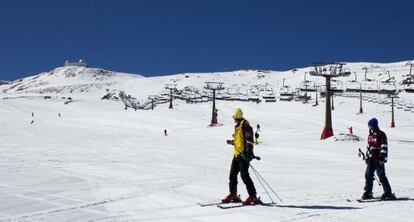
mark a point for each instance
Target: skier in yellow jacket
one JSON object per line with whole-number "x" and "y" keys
{"x": 242, "y": 155}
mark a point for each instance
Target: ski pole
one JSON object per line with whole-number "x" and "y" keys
{"x": 273, "y": 191}
{"x": 254, "y": 170}
{"x": 364, "y": 157}
{"x": 260, "y": 181}
{"x": 379, "y": 182}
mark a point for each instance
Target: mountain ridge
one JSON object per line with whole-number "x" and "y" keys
{"x": 97, "y": 83}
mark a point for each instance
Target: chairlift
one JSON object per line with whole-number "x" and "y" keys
{"x": 387, "y": 87}
{"x": 268, "y": 93}
{"x": 254, "y": 95}
{"x": 369, "y": 86}
{"x": 286, "y": 93}
{"x": 302, "y": 96}
{"x": 307, "y": 86}
{"x": 254, "y": 98}
{"x": 409, "y": 88}
{"x": 270, "y": 100}
{"x": 353, "y": 85}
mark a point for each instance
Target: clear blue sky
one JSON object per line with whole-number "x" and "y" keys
{"x": 157, "y": 37}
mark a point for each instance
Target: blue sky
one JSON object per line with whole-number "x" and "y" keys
{"x": 158, "y": 37}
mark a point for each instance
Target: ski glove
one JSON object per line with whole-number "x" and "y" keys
{"x": 246, "y": 157}
{"x": 248, "y": 154}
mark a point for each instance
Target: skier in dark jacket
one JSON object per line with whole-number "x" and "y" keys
{"x": 242, "y": 155}
{"x": 256, "y": 138}
{"x": 377, "y": 155}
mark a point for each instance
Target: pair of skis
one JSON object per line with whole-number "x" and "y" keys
{"x": 231, "y": 205}
{"x": 378, "y": 199}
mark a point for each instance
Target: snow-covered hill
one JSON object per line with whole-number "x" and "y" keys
{"x": 2, "y": 82}
{"x": 91, "y": 160}
{"x": 94, "y": 83}
{"x": 68, "y": 80}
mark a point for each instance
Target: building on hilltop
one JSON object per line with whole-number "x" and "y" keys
{"x": 80, "y": 63}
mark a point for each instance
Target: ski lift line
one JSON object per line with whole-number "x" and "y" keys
{"x": 376, "y": 69}
{"x": 382, "y": 69}
{"x": 385, "y": 66}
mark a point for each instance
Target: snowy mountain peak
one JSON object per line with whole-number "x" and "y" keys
{"x": 2, "y": 82}
{"x": 68, "y": 79}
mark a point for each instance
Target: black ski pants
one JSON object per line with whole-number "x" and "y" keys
{"x": 238, "y": 164}
{"x": 372, "y": 166}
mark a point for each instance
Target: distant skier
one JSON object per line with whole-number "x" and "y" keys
{"x": 256, "y": 138}
{"x": 32, "y": 122}
{"x": 258, "y": 128}
{"x": 165, "y": 132}
{"x": 377, "y": 153}
{"x": 59, "y": 115}
{"x": 242, "y": 155}
{"x": 32, "y": 114}
{"x": 350, "y": 131}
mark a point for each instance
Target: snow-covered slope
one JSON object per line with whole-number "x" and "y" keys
{"x": 2, "y": 82}
{"x": 98, "y": 162}
{"x": 68, "y": 80}
{"x": 75, "y": 79}
{"x": 95, "y": 83}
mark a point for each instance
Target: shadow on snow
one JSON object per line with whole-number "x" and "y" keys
{"x": 319, "y": 207}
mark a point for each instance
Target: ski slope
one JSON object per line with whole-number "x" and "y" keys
{"x": 99, "y": 162}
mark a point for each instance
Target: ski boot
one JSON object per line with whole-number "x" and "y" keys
{"x": 231, "y": 198}
{"x": 252, "y": 200}
{"x": 367, "y": 196}
{"x": 388, "y": 196}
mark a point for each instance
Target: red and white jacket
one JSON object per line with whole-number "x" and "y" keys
{"x": 377, "y": 144}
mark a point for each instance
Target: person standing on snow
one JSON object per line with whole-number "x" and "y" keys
{"x": 242, "y": 155}
{"x": 256, "y": 138}
{"x": 377, "y": 157}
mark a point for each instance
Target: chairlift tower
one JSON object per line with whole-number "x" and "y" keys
{"x": 328, "y": 70}
{"x": 171, "y": 87}
{"x": 214, "y": 86}
{"x": 366, "y": 71}
{"x": 152, "y": 98}
{"x": 392, "y": 96}
{"x": 306, "y": 92}
{"x": 411, "y": 64}
{"x": 306, "y": 87}
{"x": 360, "y": 99}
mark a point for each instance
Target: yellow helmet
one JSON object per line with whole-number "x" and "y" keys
{"x": 238, "y": 114}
